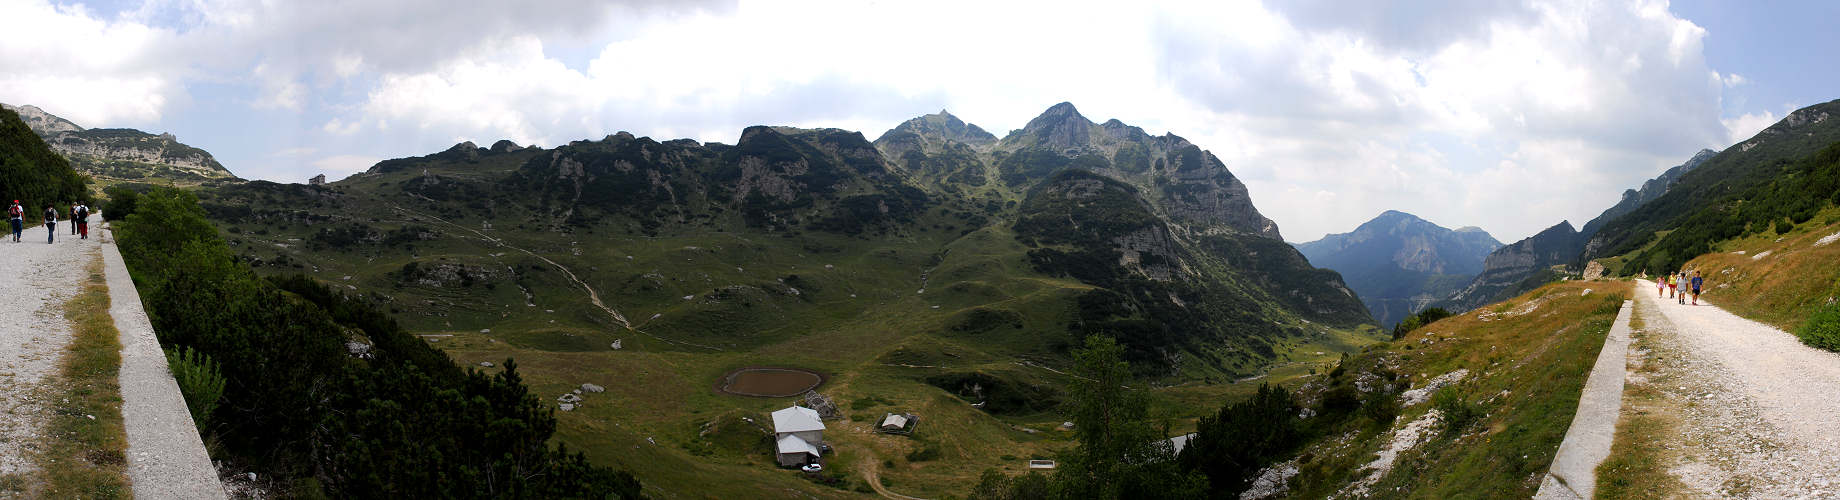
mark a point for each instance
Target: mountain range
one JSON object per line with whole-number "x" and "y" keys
{"x": 1018, "y": 246}
{"x": 1398, "y": 263}
{"x": 1659, "y": 205}
{"x": 114, "y": 155}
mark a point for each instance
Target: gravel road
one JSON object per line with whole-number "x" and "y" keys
{"x": 1761, "y": 411}
{"x": 35, "y": 280}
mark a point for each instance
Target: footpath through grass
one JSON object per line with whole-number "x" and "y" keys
{"x": 83, "y": 453}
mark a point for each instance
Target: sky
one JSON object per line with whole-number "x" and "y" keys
{"x": 1504, "y": 115}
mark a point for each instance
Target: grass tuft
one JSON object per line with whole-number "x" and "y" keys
{"x": 83, "y": 453}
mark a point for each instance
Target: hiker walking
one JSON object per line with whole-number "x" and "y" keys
{"x": 1697, "y": 281}
{"x": 1682, "y": 297}
{"x": 51, "y": 216}
{"x": 17, "y": 216}
{"x": 1660, "y": 287}
{"x": 79, "y": 218}
{"x": 1671, "y": 282}
{"x": 73, "y": 214}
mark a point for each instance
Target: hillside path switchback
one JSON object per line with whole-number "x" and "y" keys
{"x": 1761, "y": 410}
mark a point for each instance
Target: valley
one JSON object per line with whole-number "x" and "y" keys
{"x": 824, "y": 257}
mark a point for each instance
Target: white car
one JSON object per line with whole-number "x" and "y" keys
{"x": 812, "y": 468}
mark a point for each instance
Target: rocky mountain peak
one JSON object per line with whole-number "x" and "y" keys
{"x": 1061, "y": 127}
{"x": 940, "y": 127}
{"x": 505, "y": 146}
{"x": 41, "y": 122}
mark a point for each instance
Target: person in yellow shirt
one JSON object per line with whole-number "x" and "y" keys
{"x": 1672, "y": 283}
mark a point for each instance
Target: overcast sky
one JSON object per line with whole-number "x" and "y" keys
{"x": 1502, "y": 115}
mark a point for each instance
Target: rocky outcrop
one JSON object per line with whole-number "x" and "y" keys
{"x": 1188, "y": 185}
{"x": 1633, "y": 198}
{"x": 121, "y": 153}
{"x": 42, "y": 123}
{"x": 1516, "y": 268}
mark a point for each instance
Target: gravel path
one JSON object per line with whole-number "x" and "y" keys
{"x": 1761, "y": 411}
{"x": 36, "y": 279}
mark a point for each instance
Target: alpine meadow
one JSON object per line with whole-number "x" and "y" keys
{"x": 1547, "y": 249}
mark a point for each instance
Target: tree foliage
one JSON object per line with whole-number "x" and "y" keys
{"x": 1230, "y": 447}
{"x": 1420, "y": 319}
{"x": 31, "y": 172}
{"x": 401, "y": 422}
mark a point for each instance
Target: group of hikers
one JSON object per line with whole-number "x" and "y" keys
{"x": 79, "y": 217}
{"x": 1675, "y": 286}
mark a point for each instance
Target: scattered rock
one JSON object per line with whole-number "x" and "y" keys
{"x": 1422, "y": 394}
{"x": 1593, "y": 270}
{"x": 569, "y": 398}
{"x": 1587, "y": 291}
{"x": 485, "y": 330}
{"x": 487, "y": 364}
{"x": 1761, "y": 255}
{"x": 1827, "y": 240}
{"x": 616, "y": 344}
{"x": 566, "y": 407}
{"x": 592, "y": 388}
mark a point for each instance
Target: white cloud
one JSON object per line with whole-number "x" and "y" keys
{"x": 1506, "y": 115}
{"x": 89, "y": 70}
{"x": 294, "y": 152}
{"x": 1745, "y": 126}
{"x": 336, "y": 126}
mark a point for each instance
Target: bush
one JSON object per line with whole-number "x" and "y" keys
{"x": 1231, "y": 446}
{"x": 923, "y": 453}
{"x": 199, "y": 380}
{"x": 120, "y": 204}
{"x": 1823, "y": 329}
{"x": 1458, "y": 413}
{"x": 405, "y": 422}
{"x": 1783, "y": 227}
{"x": 1418, "y": 320}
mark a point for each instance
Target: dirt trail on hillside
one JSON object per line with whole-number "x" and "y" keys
{"x": 36, "y": 279}
{"x": 594, "y": 297}
{"x": 875, "y": 481}
{"x": 1760, "y": 410}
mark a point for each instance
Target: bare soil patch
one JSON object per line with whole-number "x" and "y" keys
{"x": 769, "y": 382}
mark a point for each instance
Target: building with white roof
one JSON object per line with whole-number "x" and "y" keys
{"x": 798, "y": 434}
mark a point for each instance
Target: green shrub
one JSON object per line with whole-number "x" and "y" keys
{"x": 199, "y": 380}
{"x": 1823, "y": 329}
{"x": 1458, "y": 413}
{"x": 924, "y": 453}
{"x": 1783, "y": 227}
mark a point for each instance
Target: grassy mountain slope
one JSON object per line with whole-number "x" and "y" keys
{"x": 31, "y": 172}
{"x": 1490, "y": 434}
{"x": 922, "y": 282}
{"x": 1748, "y": 164}
{"x": 1783, "y": 279}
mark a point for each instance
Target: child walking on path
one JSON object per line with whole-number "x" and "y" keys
{"x": 1697, "y": 281}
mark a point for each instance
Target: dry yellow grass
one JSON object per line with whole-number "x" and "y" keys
{"x": 1781, "y": 288}
{"x": 83, "y": 452}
